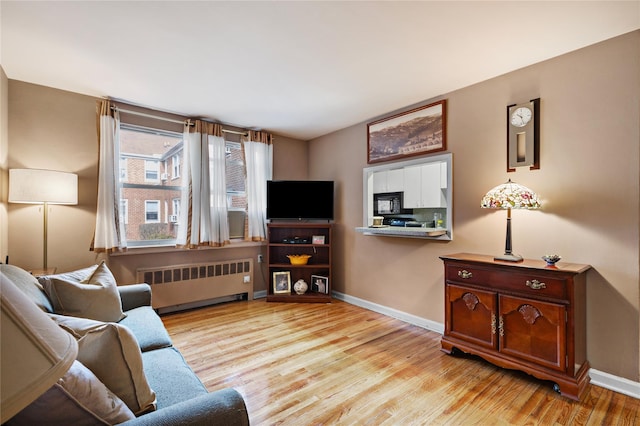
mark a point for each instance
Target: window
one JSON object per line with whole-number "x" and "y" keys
{"x": 150, "y": 174}
{"x": 151, "y": 168}
{"x": 152, "y": 211}
{"x": 144, "y": 150}
{"x": 236, "y": 184}
{"x": 175, "y": 166}
{"x": 123, "y": 169}
{"x": 234, "y": 163}
{"x": 176, "y": 207}
{"x": 124, "y": 211}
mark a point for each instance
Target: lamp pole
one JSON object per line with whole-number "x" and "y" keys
{"x": 507, "y": 243}
{"x": 44, "y": 234}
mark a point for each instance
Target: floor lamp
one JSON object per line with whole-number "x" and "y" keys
{"x": 35, "y": 186}
{"x": 509, "y": 196}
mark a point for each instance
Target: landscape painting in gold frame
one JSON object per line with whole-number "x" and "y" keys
{"x": 416, "y": 132}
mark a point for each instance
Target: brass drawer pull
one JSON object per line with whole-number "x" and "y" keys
{"x": 493, "y": 323}
{"x": 464, "y": 274}
{"x": 536, "y": 285}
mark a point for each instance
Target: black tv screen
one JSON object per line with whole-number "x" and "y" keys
{"x": 300, "y": 199}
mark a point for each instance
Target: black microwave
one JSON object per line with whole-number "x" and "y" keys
{"x": 387, "y": 203}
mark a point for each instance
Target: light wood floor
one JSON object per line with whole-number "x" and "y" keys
{"x": 338, "y": 364}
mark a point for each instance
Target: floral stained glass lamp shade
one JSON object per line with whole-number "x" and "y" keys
{"x": 507, "y": 196}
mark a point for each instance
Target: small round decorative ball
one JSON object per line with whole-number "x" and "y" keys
{"x": 551, "y": 259}
{"x": 300, "y": 287}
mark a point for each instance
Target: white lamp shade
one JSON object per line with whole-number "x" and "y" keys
{"x": 35, "y": 351}
{"x": 35, "y": 186}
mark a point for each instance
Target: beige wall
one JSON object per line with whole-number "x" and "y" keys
{"x": 588, "y": 182}
{"x": 53, "y": 129}
{"x": 4, "y": 170}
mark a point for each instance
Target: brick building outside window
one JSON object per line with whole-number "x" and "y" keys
{"x": 148, "y": 161}
{"x": 151, "y": 162}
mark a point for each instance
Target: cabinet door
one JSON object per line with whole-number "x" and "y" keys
{"x": 423, "y": 186}
{"x": 431, "y": 193}
{"x": 412, "y": 187}
{"x": 395, "y": 180}
{"x": 388, "y": 181}
{"x": 471, "y": 315}
{"x": 380, "y": 182}
{"x": 534, "y": 331}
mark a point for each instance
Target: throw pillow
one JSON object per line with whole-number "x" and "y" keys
{"x": 112, "y": 353}
{"x": 28, "y": 284}
{"x": 95, "y": 296}
{"x": 77, "y": 398}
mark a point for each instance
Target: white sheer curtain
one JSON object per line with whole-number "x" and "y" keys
{"x": 218, "y": 187}
{"x": 110, "y": 232}
{"x": 258, "y": 152}
{"x": 204, "y": 195}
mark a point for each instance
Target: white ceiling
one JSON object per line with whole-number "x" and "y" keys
{"x": 298, "y": 69}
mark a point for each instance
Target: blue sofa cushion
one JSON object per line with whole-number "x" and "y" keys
{"x": 148, "y": 328}
{"x": 170, "y": 377}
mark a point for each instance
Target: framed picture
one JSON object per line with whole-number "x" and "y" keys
{"x": 319, "y": 284}
{"x": 317, "y": 239}
{"x": 419, "y": 131}
{"x": 282, "y": 282}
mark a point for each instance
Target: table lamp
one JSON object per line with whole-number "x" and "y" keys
{"x": 510, "y": 195}
{"x": 35, "y": 351}
{"x": 35, "y": 186}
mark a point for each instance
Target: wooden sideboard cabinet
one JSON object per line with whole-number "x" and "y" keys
{"x": 525, "y": 316}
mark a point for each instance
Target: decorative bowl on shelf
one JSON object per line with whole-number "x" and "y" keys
{"x": 298, "y": 259}
{"x": 551, "y": 259}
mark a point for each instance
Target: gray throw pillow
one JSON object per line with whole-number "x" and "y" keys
{"x": 87, "y": 293}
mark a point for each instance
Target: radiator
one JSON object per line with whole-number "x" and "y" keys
{"x": 185, "y": 286}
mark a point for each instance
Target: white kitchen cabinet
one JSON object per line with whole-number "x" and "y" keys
{"x": 388, "y": 181}
{"x": 423, "y": 186}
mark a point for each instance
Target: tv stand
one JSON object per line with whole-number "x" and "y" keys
{"x": 286, "y": 238}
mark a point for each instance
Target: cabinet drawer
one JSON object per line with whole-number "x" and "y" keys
{"x": 466, "y": 274}
{"x": 535, "y": 285}
{"x": 523, "y": 283}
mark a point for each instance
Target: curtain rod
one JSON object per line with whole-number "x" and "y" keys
{"x": 142, "y": 114}
{"x": 235, "y": 132}
{"x": 187, "y": 122}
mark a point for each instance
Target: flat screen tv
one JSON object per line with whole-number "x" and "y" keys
{"x": 300, "y": 200}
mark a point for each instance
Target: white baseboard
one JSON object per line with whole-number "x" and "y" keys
{"x": 615, "y": 383}
{"x": 598, "y": 378}
{"x": 390, "y": 312}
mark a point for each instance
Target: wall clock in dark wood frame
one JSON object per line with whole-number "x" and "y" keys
{"x": 523, "y": 135}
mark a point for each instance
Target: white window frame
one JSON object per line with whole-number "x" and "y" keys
{"x": 175, "y": 204}
{"x": 175, "y": 166}
{"x": 147, "y": 211}
{"x": 124, "y": 170}
{"x": 151, "y": 166}
{"x": 124, "y": 210}
{"x": 230, "y": 194}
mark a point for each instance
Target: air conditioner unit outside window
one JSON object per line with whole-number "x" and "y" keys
{"x": 164, "y": 176}
{"x": 173, "y": 218}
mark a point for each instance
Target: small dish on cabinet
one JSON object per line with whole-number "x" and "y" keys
{"x": 551, "y": 259}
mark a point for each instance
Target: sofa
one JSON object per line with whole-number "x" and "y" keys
{"x": 89, "y": 304}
